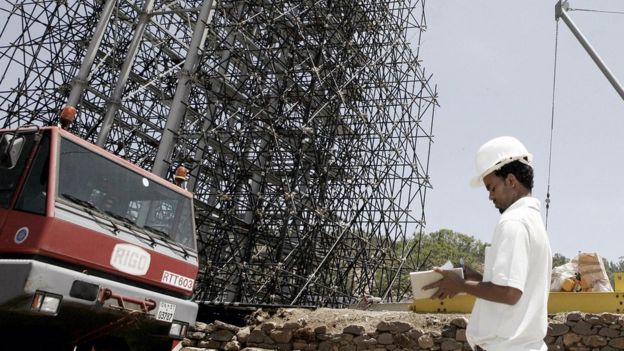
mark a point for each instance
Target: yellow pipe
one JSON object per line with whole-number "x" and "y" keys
{"x": 590, "y": 302}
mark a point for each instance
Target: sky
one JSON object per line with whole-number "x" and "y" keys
{"x": 493, "y": 63}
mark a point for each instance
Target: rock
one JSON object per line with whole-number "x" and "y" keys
{"x": 593, "y": 319}
{"x": 285, "y": 312}
{"x": 303, "y": 345}
{"x": 393, "y": 327}
{"x": 325, "y": 346}
{"x": 594, "y": 341}
{"x": 461, "y": 322}
{"x": 448, "y": 331}
{"x": 209, "y": 344}
{"x": 450, "y": 345}
{"x": 570, "y": 339}
{"x": 222, "y": 335}
{"x": 402, "y": 340}
{"x": 344, "y": 339}
{"x": 281, "y": 336}
{"x": 196, "y": 335}
{"x": 192, "y": 349}
{"x": 243, "y": 334}
{"x": 260, "y": 319}
{"x": 354, "y": 330}
{"x": 322, "y": 337}
{"x": 199, "y": 326}
{"x": 460, "y": 335}
{"x": 425, "y": 341}
{"x": 573, "y": 318}
{"x": 573, "y": 332}
{"x": 364, "y": 341}
{"x": 256, "y": 336}
{"x": 320, "y": 330}
{"x": 267, "y": 327}
{"x": 232, "y": 346}
{"x": 221, "y": 325}
{"x": 284, "y": 347}
{"x": 556, "y": 329}
{"x": 259, "y": 316}
{"x": 295, "y": 325}
{"x": 414, "y": 334}
{"x": 385, "y": 339}
{"x": 335, "y": 339}
{"x": 188, "y": 342}
{"x": 610, "y": 318}
{"x": 618, "y": 343}
{"x": 306, "y": 334}
{"x": 609, "y": 332}
{"x": 583, "y": 328}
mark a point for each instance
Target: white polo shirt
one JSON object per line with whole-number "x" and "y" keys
{"x": 519, "y": 257}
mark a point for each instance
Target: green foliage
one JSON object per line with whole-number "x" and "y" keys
{"x": 613, "y": 267}
{"x": 559, "y": 260}
{"x": 443, "y": 245}
{"x": 434, "y": 249}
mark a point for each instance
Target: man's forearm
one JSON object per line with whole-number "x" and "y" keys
{"x": 471, "y": 274}
{"x": 492, "y": 292}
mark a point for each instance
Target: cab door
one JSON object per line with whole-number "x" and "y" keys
{"x": 23, "y": 176}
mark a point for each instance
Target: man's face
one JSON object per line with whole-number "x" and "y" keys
{"x": 502, "y": 194}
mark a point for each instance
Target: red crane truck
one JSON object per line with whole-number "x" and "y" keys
{"x": 95, "y": 252}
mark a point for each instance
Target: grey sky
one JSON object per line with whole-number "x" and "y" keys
{"x": 493, "y": 64}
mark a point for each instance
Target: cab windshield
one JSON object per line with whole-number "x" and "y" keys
{"x": 95, "y": 182}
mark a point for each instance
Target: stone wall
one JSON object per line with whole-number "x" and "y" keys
{"x": 572, "y": 331}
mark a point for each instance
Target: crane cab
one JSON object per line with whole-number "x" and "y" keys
{"x": 90, "y": 244}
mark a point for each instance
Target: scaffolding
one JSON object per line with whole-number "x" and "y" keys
{"x": 306, "y": 125}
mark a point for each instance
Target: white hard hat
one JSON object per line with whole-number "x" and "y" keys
{"x": 496, "y": 153}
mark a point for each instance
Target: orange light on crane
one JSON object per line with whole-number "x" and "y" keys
{"x": 181, "y": 176}
{"x": 67, "y": 116}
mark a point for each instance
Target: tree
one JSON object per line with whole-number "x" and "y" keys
{"x": 430, "y": 250}
{"x": 559, "y": 260}
{"x": 613, "y": 267}
{"x": 447, "y": 245}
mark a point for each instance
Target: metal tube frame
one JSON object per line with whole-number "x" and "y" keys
{"x": 561, "y": 9}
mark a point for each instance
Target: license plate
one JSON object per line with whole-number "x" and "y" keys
{"x": 165, "y": 312}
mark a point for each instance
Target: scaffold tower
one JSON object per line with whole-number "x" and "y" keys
{"x": 306, "y": 126}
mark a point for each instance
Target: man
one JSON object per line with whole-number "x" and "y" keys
{"x": 510, "y": 312}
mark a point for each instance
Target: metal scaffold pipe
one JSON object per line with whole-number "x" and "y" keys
{"x": 306, "y": 127}
{"x": 178, "y": 107}
{"x": 80, "y": 81}
{"x": 112, "y": 106}
{"x": 561, "y": 9}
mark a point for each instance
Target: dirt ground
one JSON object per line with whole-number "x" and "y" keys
{"x": 337, "y": 319}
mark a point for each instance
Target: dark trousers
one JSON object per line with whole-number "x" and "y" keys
{"x": 478, "y": 348}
